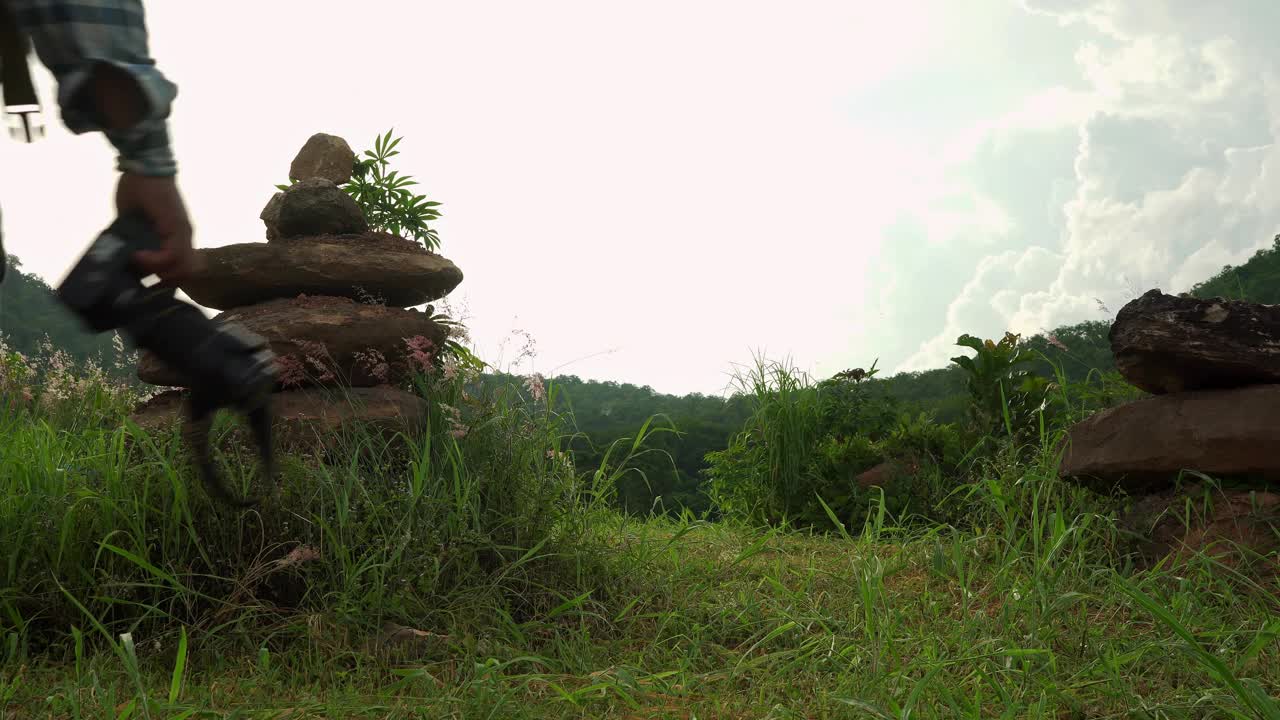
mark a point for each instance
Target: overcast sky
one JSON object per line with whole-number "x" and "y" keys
{"x": 656, "y": 191}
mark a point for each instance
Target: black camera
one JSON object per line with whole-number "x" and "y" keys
{"x": 227, "y": 366}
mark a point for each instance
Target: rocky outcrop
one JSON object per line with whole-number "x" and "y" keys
{"x": 323, "y": 156}
{"x": 1145, "y": 444}
{"x": 316, "y": 207}
{"x": 1213, "y": 367}
{"x": 391, "y": 270}
{"x": 322, "y": 340}
{"x": 1168, "y": 344}
{"x": 330, "y": 298}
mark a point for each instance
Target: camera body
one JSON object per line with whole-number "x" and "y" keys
{"x": 227, "y": 365}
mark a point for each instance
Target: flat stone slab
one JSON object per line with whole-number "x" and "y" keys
{"x": 1143, "y": 445}
{"x": 309, "y": 414}
{"x": 329, "y": 341}
{"x": 396, "y": 271}
{"x": 1168, "y": 344}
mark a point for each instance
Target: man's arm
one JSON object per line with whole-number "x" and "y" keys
{"x": 107, "y": 81}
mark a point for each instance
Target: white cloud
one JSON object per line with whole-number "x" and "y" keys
{"x": 1173, "y": 173}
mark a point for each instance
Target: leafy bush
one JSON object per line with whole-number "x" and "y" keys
{"x": 1007, "y": 397}
{"x": 766, "y": 473}
{"x": 798, "y": 457}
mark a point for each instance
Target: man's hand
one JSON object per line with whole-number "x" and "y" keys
{"x": 159, "y": 200}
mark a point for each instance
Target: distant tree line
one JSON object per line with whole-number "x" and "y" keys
{"x": 673, "y": 476}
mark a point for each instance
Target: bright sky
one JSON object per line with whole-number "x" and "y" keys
{"x": 654, "y": 192}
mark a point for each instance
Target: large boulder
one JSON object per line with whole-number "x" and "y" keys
{"x": 328, "y": 341}
{"x": 1145, "y": 444}
{"x": 391, "y": 270}
{"x": 305, "y": 415}
{"x": 1168, "y": 344}
{"x": 316, "y": 207}
{"x": 323, "y": 156}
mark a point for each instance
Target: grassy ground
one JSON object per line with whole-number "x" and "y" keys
{"x": 477, "y": 575}
{"x": 699, "y": 620}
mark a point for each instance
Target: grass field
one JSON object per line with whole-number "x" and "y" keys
{"x": 477, "y": 574}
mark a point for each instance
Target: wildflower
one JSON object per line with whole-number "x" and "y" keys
{"x": 421, "y": 351}
{"x": 374, "y": 363}
{"x": 534, "y": 384}
{"x": 457, "y": 430}
{"x": 459, "y": 332}
{"x": 450, "y": 368}
{"x": 1054, "y": 341}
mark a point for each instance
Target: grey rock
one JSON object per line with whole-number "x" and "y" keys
{"x": 318, "y": 207}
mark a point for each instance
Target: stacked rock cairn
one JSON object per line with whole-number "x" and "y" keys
{"x": 335, "y": 300}
{"x": 1213, "y": 370}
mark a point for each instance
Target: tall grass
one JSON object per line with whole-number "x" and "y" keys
{"x": 768, "y": 476}
{"x": 102, "y": 528}
{"x": 479, "y": 574}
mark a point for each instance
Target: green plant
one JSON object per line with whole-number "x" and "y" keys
{"x": 1006, "y": 397}
{"x": 766, "y": 474}
{"x": 384, "y": 196}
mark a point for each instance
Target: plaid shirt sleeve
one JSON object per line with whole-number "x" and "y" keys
{"x": 70, "y": 37}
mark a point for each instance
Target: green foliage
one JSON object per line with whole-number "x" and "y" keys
{"x": 669, "y": 480}
{"x": 31, "y": 314}
{"x": 852, "y": 404}
{"x": 798, "y": 457}
{"x": 1078, "y": 351}
{"x": 97, "y": 511}
{"x": 1258, "y": 280}
{"x": 385, "y": 198}
{"x": 479, "y": 575}
{"x": 769, "y": 475}
{"x": 1007, "y": 397}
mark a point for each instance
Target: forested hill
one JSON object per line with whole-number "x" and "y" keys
{"x": 1258, "y": 280}
{"x": 605, "y": 412}
{"x": 29, "y": 311}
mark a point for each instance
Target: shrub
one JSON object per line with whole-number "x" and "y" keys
{"x": 1007, "y": 397}
{"x": 799, "y": 455}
